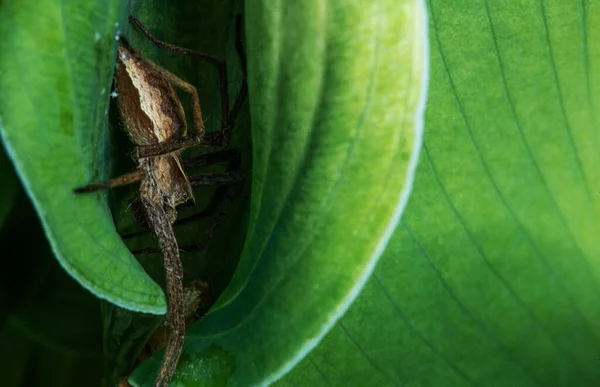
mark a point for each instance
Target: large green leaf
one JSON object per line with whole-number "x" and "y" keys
{"x": 492, "y": 276}
{"x": 335, "y": 129}
{"x": 57, "y": 60}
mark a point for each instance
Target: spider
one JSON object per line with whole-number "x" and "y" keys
{"x": 155, "y": 121}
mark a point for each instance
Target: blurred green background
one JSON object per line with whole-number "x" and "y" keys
{"x": 50, "y": 327}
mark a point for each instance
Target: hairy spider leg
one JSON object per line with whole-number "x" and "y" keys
{"x": 126, "y": 179}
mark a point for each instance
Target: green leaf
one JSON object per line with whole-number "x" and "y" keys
{"x": 492, "y": 277}
{"x": 336, "y": 109}
{"x": 57, "y": 61}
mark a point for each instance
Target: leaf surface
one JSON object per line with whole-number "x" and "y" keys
{"x": 57, "y": 62}
{"x": 492, "y": 276}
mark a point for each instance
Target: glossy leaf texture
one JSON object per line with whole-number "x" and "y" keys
{"x": 57, "y": 61}
{"x": 492, "y": 276}
{"x": 336, "y": 109}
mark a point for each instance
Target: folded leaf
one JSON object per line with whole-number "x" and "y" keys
{"x": 57, "y": 61}
{"x": 336, "y": 109}
{"x": 492, "y": 277}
